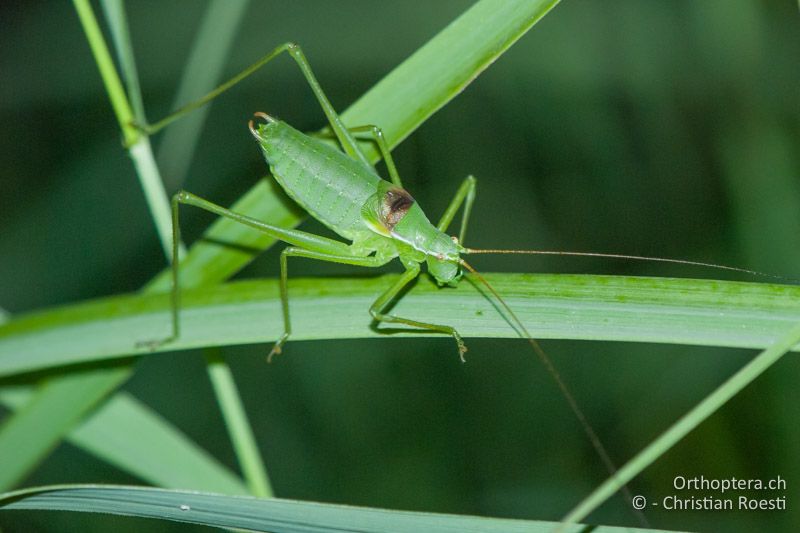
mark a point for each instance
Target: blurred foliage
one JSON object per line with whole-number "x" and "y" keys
{"x": 652, "y": 128}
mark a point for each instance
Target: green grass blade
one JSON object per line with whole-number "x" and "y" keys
{"x": 160, "y": 454}
{"x": 202, "y": 72}
{"x": 687, "y": 423}
{"x": 139, "y": 145}
{"x": 209, "y": 262}
{"x": 105, "y": 64}
{"x": 241, "y": 433}
{"x": 276, "y": 515}
{"x": 684, "y": 311}
{"x": 114, "y": 11}
{"x": 56, "y": 406}
{"x": 437, "y": 72}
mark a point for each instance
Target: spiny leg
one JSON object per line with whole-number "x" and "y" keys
{"x": 465, "y": 192}
{"x": 292, "y": 251}
{"x": 292, "y": 236}
{"x": 412, "y": 271}
{"x": 348, "y": 143}
{"x": 374, "y": 133}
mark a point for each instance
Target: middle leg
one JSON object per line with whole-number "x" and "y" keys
{"x": 294, "y": 251}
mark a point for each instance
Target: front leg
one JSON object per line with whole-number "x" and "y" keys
{"x": 377, "y": 307}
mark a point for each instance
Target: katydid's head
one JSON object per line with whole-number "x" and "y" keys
{"x": 444, "y": 259}
{"x": 444, "y": 271}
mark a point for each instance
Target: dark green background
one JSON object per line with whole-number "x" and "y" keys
{"x": 664, "y": 128}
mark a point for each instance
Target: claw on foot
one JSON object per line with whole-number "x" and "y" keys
{"x": 462, "y": 349}
{"x": 276, "y": 350}
{"x": 152, "y": 345}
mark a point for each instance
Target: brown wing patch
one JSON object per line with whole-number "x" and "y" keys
{"x": 394, "y": 207}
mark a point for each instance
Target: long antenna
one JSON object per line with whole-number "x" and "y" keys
{"x": 597, "y": 444}
{"x": 632, "y": 257}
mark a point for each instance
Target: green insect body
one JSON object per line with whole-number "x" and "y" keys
{"x": 352, "y": 200}
{"x": 343, "y": 191}
{"x": 321, "y": 179}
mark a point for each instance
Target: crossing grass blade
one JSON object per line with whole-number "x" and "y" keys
{"x": 275, "y": 515}
{"x": 160, "y": 454}
{"x": 715, "y": 313}
{"x": 56, "y": 406}
{"x": 202, "y": 72}
{"x": 687, "y": 423}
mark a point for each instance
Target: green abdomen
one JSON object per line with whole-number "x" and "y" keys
{"x": 328, "y": 184}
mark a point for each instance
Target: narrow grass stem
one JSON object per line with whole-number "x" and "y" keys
{"x": 116, "y": 92}
{"x": 137, "y": 143}
{"x": 155, "y": 194}
{"x": 114, "y": 11}
{"x": 685, "y": 424}
{"x": 239, "y": 429}
{"x": 203, "y": 69}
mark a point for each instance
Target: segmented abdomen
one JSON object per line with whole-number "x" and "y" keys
{"x": 328, "y": 184}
